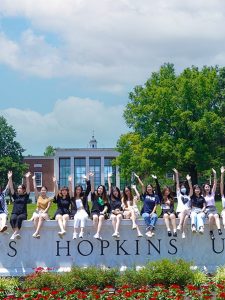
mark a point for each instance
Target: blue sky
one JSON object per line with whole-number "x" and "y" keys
{"x": 66, "y": 67}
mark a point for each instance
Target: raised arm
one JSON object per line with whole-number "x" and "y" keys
{"x": 177, "y": 180}
{"x": 109, "y": 183}
{"x": 222, "y": 169}
{"x": 10, "y": 183}
{"x": 56, "y": 189}
{"x": 35, "y": 187}
{"x": 188, "y": 177}
{"x": 92, "y": 183}
{"x": 70, "y": 186}
{"x": 158, "y": 189}
{"x": 214, "y": 181}
{"x": 141, "y": 183}
{"x": 27, "y": 176}
{"x": 136, "y": 191}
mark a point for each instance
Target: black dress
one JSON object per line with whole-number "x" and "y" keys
{"x": 63, "y": 205}
{"x": 19, "y": 212}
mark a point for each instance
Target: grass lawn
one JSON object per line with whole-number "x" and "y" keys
{"x": 31, "y": 208}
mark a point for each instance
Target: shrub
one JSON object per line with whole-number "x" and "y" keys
{"x": 9, "y": 285}
{"x": 220, "y": 274}
{"x": 199, "y": 278}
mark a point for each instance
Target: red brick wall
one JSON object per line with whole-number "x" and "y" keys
{"x": 47, "y": 170}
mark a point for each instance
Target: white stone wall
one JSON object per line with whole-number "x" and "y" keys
{"x": 22, "y": 256}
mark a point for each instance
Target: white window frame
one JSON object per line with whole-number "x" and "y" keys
{"x": 36, "y": 174}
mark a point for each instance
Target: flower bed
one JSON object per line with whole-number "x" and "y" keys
{"x": 156, "y": 292}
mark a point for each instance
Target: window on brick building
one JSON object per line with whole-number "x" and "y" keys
{"x": 38, "y": 178}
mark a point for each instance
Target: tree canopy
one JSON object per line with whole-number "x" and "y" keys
{"x": 11, "y": 157}
{"x": 175, "y": 121}
{"x": 49, "y": 151}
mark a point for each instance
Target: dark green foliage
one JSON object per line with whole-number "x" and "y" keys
{"x": 176, "y": 121}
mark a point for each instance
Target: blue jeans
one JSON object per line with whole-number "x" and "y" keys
{"x": 150, "y": 220}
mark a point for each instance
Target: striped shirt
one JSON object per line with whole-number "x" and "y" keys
{"x": 3, "y": 204}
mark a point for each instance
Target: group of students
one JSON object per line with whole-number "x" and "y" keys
{"x": 195, "y": 202}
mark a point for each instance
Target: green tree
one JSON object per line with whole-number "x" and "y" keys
{"x": 11, "y": 157}
{"x": 175, "y": 121}
{"x": 49, "y": 151}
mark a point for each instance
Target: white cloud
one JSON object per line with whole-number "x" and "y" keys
{"x": 114, "y": 43}
{"x": 70, "y": 124}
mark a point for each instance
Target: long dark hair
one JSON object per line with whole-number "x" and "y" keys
{"x": 82, "y": 191}
{"x": 104, "y": 194}
{"x": 64, "y": 188}
{"x": 125, "y": 198}
{"x": 203, "y": 189}
{"x": 112, "y": 190}
{"x": 170, "y": 196}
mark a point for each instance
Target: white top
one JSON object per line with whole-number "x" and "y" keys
{"x": 183, "y": 202}
{"x": 79, "y": 203}
{"x": 223, "y": 201}
{"x": 210, "y": 199}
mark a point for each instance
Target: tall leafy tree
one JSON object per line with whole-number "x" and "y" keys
{"x": 11, "y": 157}
{"x": 175, "y": 121}
{"x": 49, "y": 151}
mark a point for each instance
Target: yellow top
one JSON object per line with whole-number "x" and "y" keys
{"x": 42, "y": 203}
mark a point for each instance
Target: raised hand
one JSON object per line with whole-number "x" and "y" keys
{"x": 27, "y": 175}
{"x": 33, "y": 177}
{"x": 222, "y": 169}
{"x": 133, "y": 186}
{"x": 154, "y": 176}
{"x": 214, "y": 171}
{"x": 84, "y": 176}
{"x": 9, "y": 174}
{"x": 54, "y": 179}
{"x": 136, "y": 175}
{"x": 175, "y": 171}
{"x": 109, "y": 175}
{"x": 70, "y": 178}
{"x": 188, "y": 177}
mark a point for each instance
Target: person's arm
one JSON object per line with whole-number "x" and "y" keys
{"x": 27, "y": 176}
{"x": 35, "y": 187}
{"x": 188, "y": 177}
{"x": 141, "y": 183}
{"x": 204, "y": 206}
{"x": 136, "y": 192}
{"x": 70, "y": 186}
{"x": 10, "y": 183}
{"x": 92, "y": 184}
{"x": 109, "y": 183}
{"x": 214, "y": 181}
{"x": 48, "y": 206}
{"x": 158, "y": 189}
{"x": 222, "y": 169}
{"x": 56, "y": 190}
{"x": 177, "y": 180}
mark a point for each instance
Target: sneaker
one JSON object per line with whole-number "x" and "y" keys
{"x": 12, "y": 237}
{"x": 75, "y": 235}
{"x": 175, "y": 234}
{"x": 183, "y": 235}
{"x": 81, "y": 235}
{"x": 134, "y": 227}
{"x": 118, "y": 235}
{"x": 179, "y": 227}
{"x": 114, "y": 234}
{"x": 193, "y": 229}
{"x": 60, "y": 234}
{"x": 148, "y": 234}
{"x": 140, "y": 234}
{"x": 18, "y": 236}
{"x": 37, "y": 236}
{"x": 201, "y": 230}
{"x": 220, "y": 231}
{"x": 169, "y": 233}
{"x": 97, "y": 236}
{"x": 153, "y": 233}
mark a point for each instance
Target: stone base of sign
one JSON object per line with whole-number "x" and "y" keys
{"x": 20, "y": 257}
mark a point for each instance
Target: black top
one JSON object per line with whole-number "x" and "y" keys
{"x": 115, "y": 204}
{"x": 150, "y": 201}
{"x": 98, "y": 204}
{"x": 20, "y": 203}
{"x": 197, "y": 201}
{"x": 84, "y": 201}
{"x": 62, "y": 204}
